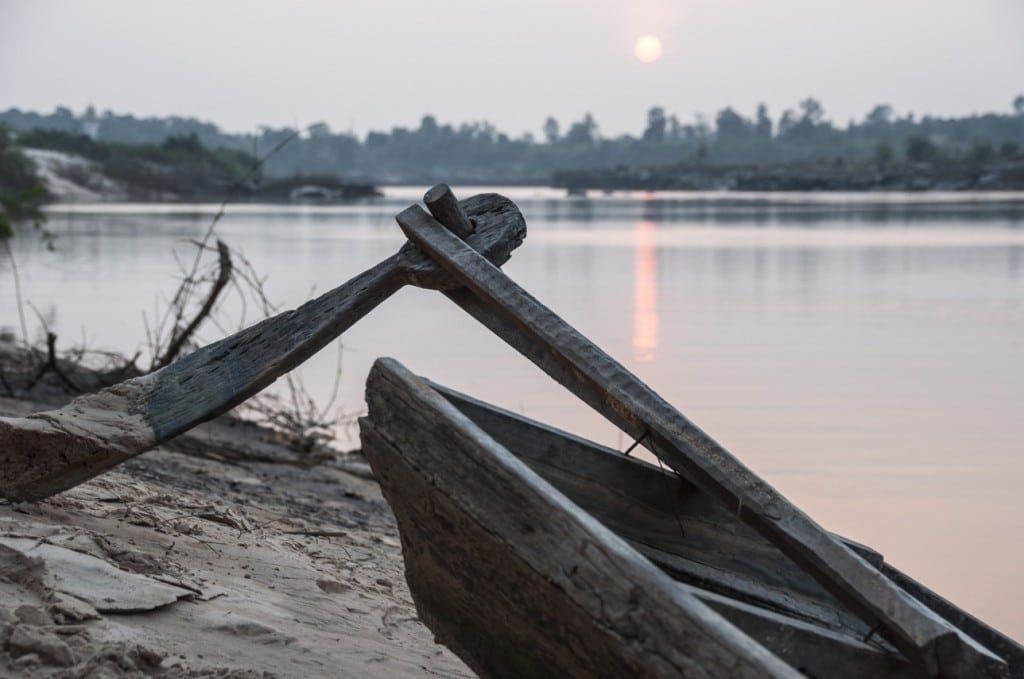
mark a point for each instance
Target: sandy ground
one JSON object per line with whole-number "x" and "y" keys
{"x": 219, "y": 556}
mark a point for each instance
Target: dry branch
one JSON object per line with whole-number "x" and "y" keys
{"x": 53, "y": 364}
{"x": 180, "y": 338}
{"x": 49, "y": 452}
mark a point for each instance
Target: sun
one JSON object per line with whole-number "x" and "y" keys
{"x": 647, "y": 49}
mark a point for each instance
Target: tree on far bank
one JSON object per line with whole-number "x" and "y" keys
{"x": 763, "y": 125}
{"x": 551, "y": 130}
{"x": 921, "y": 149}
{"x": 731, "y": 126}
{"x": 428, "y": 126}
{"x": 812, "y": 111}
{"x": 582, "y": 133}
{"x": 884, "y": 154}
{"x": 880, "y": 115}
{"x": 477, "y": 151}
{"x": 656, "y": 125}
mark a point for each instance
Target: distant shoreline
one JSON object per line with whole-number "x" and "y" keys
{"x": 73, "y": 179}
{"x": 921, "y": 177}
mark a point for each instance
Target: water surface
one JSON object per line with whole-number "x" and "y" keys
{"x": 862, "y": 352}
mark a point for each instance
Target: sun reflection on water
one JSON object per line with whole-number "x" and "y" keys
{"x": 645, "y": 292}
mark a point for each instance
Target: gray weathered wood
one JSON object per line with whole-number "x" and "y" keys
{"x": 48, "y": 452}
{"x": 647, "y": 506}
{"x": 1009, "y": 649}
{"x": 577, "y": 363}
{"x": 816, "y": 652}
{"x": 515, "y": 578}
{"x": 446, "y": 209}
{"x": 791, "y": 615}
{"x": 685, "y": 532}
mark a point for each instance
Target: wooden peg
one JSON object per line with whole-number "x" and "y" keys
{"x": 446, "y": 209}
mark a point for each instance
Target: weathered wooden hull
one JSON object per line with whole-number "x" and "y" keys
{"x": 496, "y": 575}
{"x": 936, "y": 647}
{"x": 695, "y": 540}
{"x": 512, "y": 576}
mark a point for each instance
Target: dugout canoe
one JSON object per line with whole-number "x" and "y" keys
{"x": 533, "y": 552}
{"x": 937, "y": 648}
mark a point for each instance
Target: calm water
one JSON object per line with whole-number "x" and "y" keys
{"x": 865, "y": 354}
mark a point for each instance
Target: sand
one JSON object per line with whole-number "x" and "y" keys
{"x": 220, "y": 555}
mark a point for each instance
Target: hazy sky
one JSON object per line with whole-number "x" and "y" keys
{"x": 373, "y": 64}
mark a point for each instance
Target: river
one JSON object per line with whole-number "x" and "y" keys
{"x": 863, "y": 353}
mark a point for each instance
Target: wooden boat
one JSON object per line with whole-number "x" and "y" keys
{"x": 533, "y": 552}
{"x": 692, "y": 538}
{"x": 932, "y": 645}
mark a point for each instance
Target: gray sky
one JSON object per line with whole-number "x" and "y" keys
{"x": 377, "y": 63}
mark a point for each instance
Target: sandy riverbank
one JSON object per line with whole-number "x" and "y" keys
{"x": 220, "y": 555}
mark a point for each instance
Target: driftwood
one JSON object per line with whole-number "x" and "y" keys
{"x": 48, "y": 452}
{"x": 938, "y": 648}
{"x": 698, "y": 541}
{"x": 515, "y": 579}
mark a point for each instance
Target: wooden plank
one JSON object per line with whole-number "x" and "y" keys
{"x": 623, "y": 493}
{"x": 578, "y": 364}
{"x": 683, "y": 531}
{"x": 515, "y": 578}
{"x": 814, "y": 651}
{"x": 596, "y": 464}
{"x": 48, "y": 452}
{"x": 645, "y": 505}
{"x": 1008, "y": 649}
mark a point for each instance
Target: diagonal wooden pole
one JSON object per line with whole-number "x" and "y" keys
{"x": 581, "y": 366}
{"x": 48, "y": 452}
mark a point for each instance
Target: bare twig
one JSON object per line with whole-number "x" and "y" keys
{"x": 318, "y": 533}
{"x": 178, "y": 341}
{"x": 337, "y": 381}
{"x": 191, "y": 277}
{"x": 54, "y": 365}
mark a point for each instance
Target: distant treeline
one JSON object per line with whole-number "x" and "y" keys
{"x": 479, "y": 153}
{"x": 179, "y": 167}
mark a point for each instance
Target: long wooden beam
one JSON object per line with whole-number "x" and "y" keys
{"x": 581, "y": 366}
{"x": 48, "y": 452}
